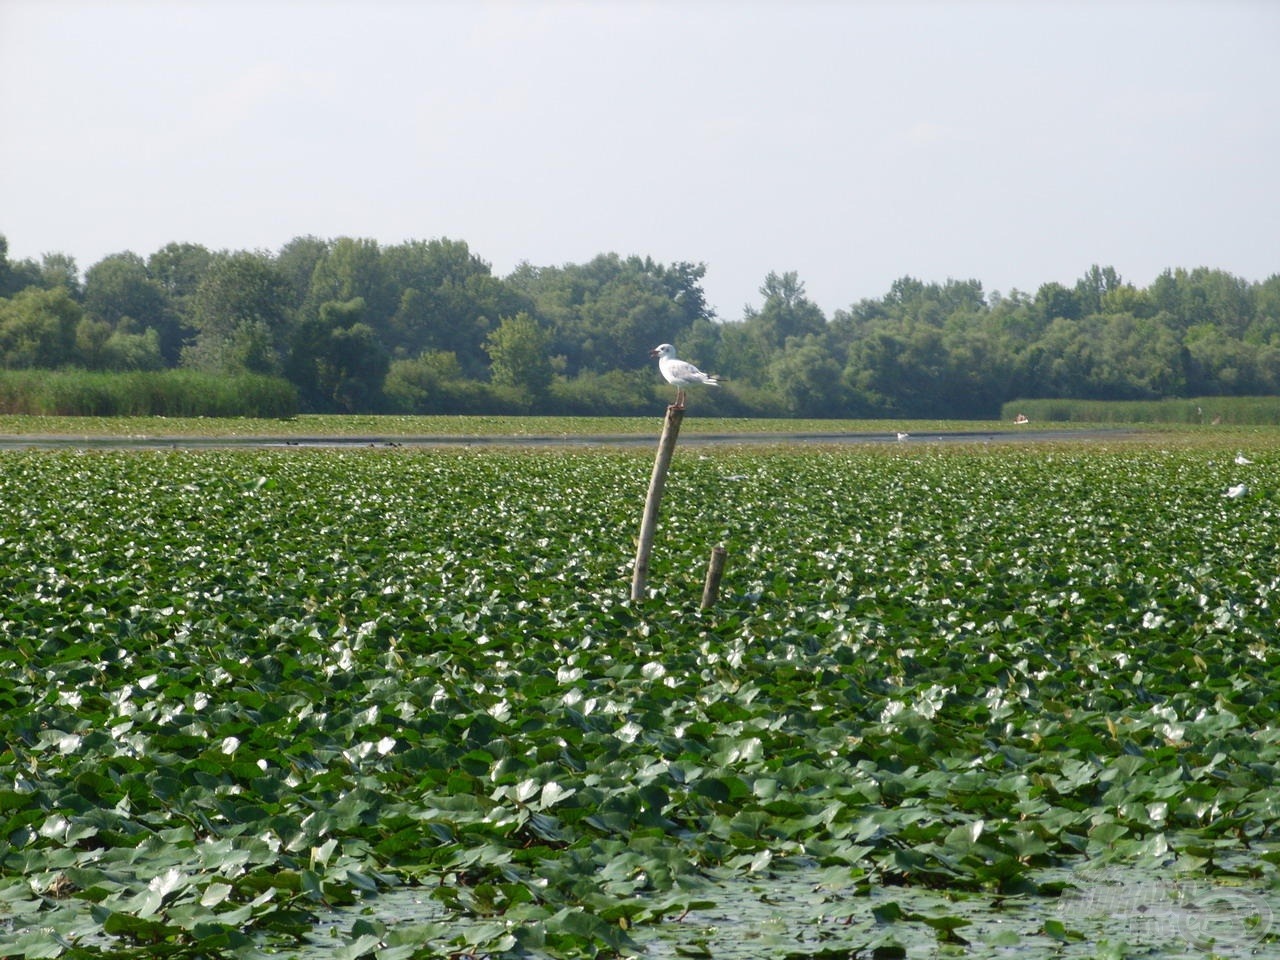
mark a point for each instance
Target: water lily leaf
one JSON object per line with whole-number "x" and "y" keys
{"x": 553, "y": 793}
{"x": 320, "y": 855}
{"x": 525, "y": 790}
{"x": 939, "y": 675}
{"x": 1057, "y": 930}
{"x": 35, "y": 944}
{"x": 946, "y": 928}
{"x": 889, "y": 912}
{"x": 215, "y": 893}
{"x": 55, "y": 827}
{"x": 693, "y": 950}
{"x": 144, "y": 904}
{"x": 965, "y": 835}
{"x": 136, "y": 927}
{"x": 166, "y": 883}
{"x": 361, "y": 946}
{"x": 723, "y": 789}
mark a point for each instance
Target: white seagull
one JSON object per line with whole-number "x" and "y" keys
{"x": 1236, "y": 492}
{"x": 680, "y": 372}
{"x": 1242, "y": 460}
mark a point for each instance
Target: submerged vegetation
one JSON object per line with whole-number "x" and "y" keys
{"x": 245, "y": 692}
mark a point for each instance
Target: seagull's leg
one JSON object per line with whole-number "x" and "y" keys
{"x": 679, "y": 398}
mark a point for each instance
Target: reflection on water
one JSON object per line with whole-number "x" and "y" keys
{"x": 1107, "y": 910}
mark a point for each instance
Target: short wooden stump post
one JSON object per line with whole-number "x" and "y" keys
{"x": 715, "y": 570}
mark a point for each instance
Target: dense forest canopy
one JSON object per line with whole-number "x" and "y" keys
{"x": 426, "y": 327}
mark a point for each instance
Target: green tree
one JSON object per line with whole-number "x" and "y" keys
{"x": 1128, "y": 299}
{"x": 453, "y": 318}
{"x": 8, "y": 279}
{"x": 352, "y": 373}
{"x": 336, "y": 360}
{"x": 610, "y": 312}
{"x": 870, "y": 372}
{"x": 16, "y": 276}
{"x": 434, "y": 382}
{"x": 240, "y": 311}
{"x": 128, "y": 349}
{"x": 739, "y": 355}
{"x": 518, "y": 352}
{"x": 120, "y": 291}
{"x": 1094, "y": 286}
{"x": 351, "y": 269}
{"x": 178, "y": 269}
{"x": 1267, "y": 304}
{"x": 1135, "y": 359}
{"x": 979, "y": 369}
{"x": 91, "y": 336}
{"x": 119, "y": 286}
{"x": 98, "y": 347}
{"x": 297, "y": 261}
{"x": 431, "y": 264}
{"x": 423, "y": 384}
{"x": 60, "y": 270}
{"x": 1061, "y": 362}
{"x": 1204, "y": 296}
{"x": 807, "y": 378}
{"x": 786, "y": 312}
{"x": 1053, "y": 301}
{"x": 38, "y": 328}
{"x": 1217, "y": 363}
{"x": 447, "y": 301}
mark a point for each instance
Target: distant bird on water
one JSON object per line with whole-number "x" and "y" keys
{"x": 680, "y": 372}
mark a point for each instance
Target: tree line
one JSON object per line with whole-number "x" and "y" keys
{"x": 426, "y": 327}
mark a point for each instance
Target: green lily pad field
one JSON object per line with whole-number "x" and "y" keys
{"x": 394, "y": 703}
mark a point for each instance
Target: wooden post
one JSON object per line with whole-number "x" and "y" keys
{"x": 715, "y": 570}
{"x": 661, "y": 463}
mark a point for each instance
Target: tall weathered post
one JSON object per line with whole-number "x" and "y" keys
{"x": 661, "y": 464}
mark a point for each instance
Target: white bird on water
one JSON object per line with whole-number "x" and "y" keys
{"x": 680, "y": 372}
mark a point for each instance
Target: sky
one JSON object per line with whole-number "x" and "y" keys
{"x": 854, "y": 143}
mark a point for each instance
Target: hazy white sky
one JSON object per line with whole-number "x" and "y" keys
{"x": 852, "y": 142}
